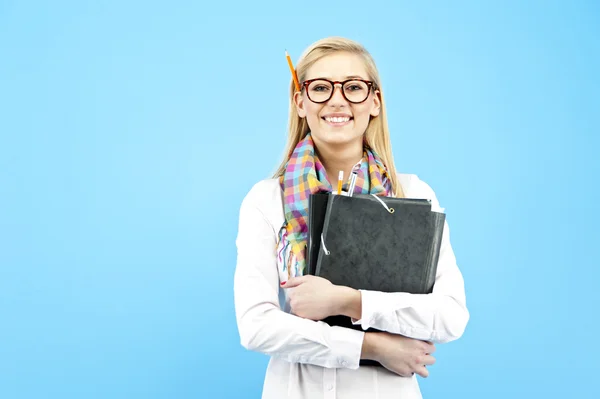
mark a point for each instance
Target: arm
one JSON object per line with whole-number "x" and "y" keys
{"x": 262, "y": 325}
{"x": 438, "y": 317}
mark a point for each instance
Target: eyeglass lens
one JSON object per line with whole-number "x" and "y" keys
{"x": 355, "y": 91}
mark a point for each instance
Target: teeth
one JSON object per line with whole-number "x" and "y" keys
{"x": 337, "y": 119}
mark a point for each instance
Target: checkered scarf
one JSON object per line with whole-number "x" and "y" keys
{"x": 304, "y": 175}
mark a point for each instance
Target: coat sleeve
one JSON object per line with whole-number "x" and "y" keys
{"x": 439, "y": 317}
{"x": 263, "y": 326}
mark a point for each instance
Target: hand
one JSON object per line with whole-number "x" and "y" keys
{"x": 313, "y": 297}
{"x": 399, "y": 354}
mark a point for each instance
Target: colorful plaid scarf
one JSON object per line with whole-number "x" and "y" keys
{"x": 304, "y": 175}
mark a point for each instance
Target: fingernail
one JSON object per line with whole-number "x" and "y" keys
{"x": 283, "y": 283}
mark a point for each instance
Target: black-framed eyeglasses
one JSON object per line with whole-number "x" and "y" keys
{"x": 354, "y": 91}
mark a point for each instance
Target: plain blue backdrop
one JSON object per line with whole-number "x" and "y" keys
{"x": 131, "y": 131}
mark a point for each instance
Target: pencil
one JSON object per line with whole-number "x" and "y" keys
{"x": 289, "y": 60}
{"x": 340, "y": 179}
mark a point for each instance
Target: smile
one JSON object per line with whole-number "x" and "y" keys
{"x": 337, "y": 120}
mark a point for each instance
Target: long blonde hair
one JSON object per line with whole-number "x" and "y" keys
{"x": 377, "y": 135}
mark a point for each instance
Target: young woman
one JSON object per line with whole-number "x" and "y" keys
{"x": 337, "y": 123}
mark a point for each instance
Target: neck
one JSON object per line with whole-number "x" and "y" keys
{"x": 340, "y": 158}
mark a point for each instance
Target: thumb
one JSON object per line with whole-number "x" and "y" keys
{"x": 293, "y": 282}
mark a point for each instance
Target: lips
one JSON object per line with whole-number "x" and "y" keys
{"x": 337, "y": 119}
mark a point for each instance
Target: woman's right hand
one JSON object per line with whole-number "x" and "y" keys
{"x": 399, "y": 354}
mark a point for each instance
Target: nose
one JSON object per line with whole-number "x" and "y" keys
{"x": 337, "y": 97}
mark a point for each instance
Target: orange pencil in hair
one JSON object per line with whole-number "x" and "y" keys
{"x": 289, "y": 60}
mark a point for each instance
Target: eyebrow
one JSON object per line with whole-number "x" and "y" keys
{"x": 347, "y": 77}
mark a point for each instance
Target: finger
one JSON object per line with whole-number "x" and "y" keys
{"x": 293, "y": 282}
{"x": 422, "y": 371}
{"x": 428, "y": 347}
{"x": 428, "y": 360}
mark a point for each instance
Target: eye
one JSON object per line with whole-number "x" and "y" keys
{"x": 354, "y": 87}
{"x": 320, "y": 88}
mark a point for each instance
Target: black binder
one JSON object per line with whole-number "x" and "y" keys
{"x": 373, "y": 243}
{"x": 317, "y": 206}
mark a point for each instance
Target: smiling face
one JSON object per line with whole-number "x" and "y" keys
{"x": 337, "y": 121}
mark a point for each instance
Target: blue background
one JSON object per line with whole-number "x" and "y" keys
{"x": 130, "y": 132}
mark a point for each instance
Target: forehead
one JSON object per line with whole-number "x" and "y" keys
{"x": 338, "y": 66}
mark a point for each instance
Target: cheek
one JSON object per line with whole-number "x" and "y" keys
{"x": 361, "y": 115}
{"x": 312, "y": 112}
{"x": 315, "y": 108}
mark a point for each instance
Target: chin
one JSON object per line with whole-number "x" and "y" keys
{"x": 336, "y": 137}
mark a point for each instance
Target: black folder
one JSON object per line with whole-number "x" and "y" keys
{"x": 317, "y": 206}
{"x": 373, "y": 243}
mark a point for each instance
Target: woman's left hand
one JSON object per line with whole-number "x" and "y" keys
{"x": 316, "y": 298}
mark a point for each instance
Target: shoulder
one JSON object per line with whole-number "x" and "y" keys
{"x": 264, "y": 191}
{"x": 414, "y": 187}
{"x": 265, "y": 197}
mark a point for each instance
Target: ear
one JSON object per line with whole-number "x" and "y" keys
{"x": 376, "y": 104}
{"x": 299, "y": 101}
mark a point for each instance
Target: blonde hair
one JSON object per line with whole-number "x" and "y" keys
{"x": 377, "y": 135}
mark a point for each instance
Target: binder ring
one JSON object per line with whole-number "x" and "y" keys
{"x": 390, "y": 210}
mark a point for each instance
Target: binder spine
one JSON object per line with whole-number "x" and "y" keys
{"x": 434, "y": 254}
{"x": 428, "y": 263}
